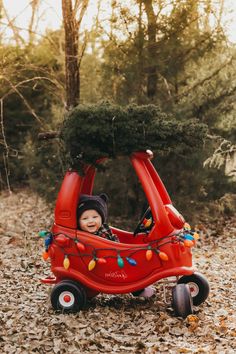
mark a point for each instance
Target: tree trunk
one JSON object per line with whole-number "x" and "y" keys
{"x": 152, "y": 70}
{"x": 140, "y": 56}
{"x": 71, "y": 55}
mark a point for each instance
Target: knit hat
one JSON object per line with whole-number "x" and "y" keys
{"x": 95, "y": 202}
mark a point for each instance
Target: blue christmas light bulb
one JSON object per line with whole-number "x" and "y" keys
{"x": 188, "y": 237}
{"x": 48, "y": 241}
{"x": 131, "y": 261}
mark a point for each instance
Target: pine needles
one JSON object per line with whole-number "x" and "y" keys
{"x": 91, "y": 132}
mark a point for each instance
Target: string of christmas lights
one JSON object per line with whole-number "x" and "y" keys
{"x": 186, "y": 237}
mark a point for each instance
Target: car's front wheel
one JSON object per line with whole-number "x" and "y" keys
{"x": 68, "y": 296}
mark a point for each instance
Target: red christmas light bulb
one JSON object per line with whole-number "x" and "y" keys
{"x": 80, "y": 246}
{"x": 45, "y": 255}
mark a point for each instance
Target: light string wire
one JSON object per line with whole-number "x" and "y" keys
{"x": 175, "y": 238}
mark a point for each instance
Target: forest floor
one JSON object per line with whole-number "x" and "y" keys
{"x": 109, "y": 324}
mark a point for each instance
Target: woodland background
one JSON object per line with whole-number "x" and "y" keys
{"x": 174, "y": 54}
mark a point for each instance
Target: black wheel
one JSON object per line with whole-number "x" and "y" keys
{"x": 182, "y": 301}
{"x": 198, "y": 285}
{"x": 68, "y": 296}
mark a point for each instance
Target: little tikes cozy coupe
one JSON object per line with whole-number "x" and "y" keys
{"x": 160, "y": 247}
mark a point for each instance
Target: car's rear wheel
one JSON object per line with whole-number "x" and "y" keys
{"x": 198, "y": 285}
{"x": 182, "y": 300}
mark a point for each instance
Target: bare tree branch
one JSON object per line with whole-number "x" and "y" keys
{"x": 6, "y": 153}
{"x": 48, "y": 135}
{"x": 207, "y": 78}
{"x": 15, "y": 89}
{"x": 84, "y": 44}
{"x": 18, "y": 38}
{"x": 84, "y": 5}
{"x": 25, "y": 29}
{"x": 34, "y": 5}
{"x": 24, "y": 82}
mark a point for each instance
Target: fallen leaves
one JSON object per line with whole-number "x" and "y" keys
{"x": 110, "y": 323}
{"x": 193, "y": 322}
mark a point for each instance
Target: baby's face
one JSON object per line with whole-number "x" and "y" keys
{"x": 90, "y": 221}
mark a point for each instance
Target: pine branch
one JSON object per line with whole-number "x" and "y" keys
{"x": 91, "y": 132}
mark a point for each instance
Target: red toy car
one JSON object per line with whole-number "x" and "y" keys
{"x": 160, "y": 247}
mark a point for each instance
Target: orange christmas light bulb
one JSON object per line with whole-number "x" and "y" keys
{"x": 188, "y": 243}
{"x": 101, "y": 261}
{"x": 149, "y": 255}
{"x": 163, "y": 256}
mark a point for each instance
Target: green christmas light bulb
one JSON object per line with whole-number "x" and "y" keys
{"x": 43, "y": 233}
{"x": 120, "y": 261}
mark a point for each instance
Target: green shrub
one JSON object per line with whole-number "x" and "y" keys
{"x": 91, "y": 132}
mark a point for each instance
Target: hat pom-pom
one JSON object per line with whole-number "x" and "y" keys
{"x": 104, "y": 197}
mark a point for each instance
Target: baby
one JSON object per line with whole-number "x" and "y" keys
{"x": 92, "y": 216}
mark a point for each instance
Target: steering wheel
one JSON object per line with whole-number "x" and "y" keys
{"x": 146, "y": 222}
